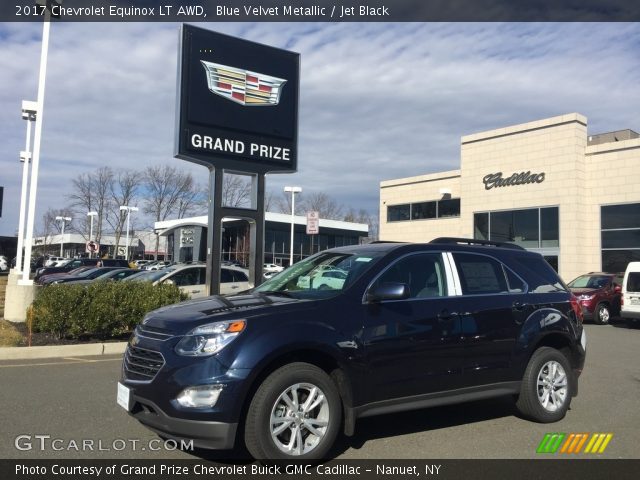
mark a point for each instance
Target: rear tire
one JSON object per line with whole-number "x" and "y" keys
{"x": 546, "y": 390}
{"x": 602, "y": 314}
{"x": 294, "y": 415}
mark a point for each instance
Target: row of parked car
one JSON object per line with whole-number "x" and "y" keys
{"x": 191, "y": 278}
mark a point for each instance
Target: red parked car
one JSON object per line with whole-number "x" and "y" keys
{"x": 599, "y": 295}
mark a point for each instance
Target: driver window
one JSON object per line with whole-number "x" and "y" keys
{"x": 423, "y": 273}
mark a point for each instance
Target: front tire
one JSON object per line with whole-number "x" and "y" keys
{"x": 602, "y": 314}
{"x": 546, "y": 390}
{"x": 294, "y": 415}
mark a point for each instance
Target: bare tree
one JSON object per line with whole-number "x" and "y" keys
{"x": 236, "y": 190}
{"x": 50, "y": 226}
{"x": 123, "y": 191}
{"x": 282, "y": 203}
{"x": 91, "y": 192}
{"x": 363, "y": 216}
{"x": 168, "y": 191}
{"x": 323, "y": 204}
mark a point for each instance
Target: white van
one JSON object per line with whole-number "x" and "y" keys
{"x": 631, "y": 292}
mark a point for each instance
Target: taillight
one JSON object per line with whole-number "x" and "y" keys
{"x": 575, "y": 306}
{"x": 621, "y": 300}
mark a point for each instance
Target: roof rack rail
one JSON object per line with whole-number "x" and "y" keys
{"x": 474, "y": 241}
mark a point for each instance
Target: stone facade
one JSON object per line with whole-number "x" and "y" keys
{"x": 578, "y": 178}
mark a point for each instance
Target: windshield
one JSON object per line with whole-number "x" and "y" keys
{"x": 590, "y": 281}
{"x": 323, "y": 275}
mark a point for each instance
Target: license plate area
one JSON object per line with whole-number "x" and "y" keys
{"x": 124, "y": 397}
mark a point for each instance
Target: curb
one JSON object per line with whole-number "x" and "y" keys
{"x": 61, "y": 351}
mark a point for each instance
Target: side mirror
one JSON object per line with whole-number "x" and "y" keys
{"x": 617, "y": 288}
{"x": 168, "y": 281}
{"x": 388, "y": 291}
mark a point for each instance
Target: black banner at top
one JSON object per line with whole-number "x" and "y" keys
{"x": 323, "y": 10}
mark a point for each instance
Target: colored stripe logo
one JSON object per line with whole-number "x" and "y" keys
{"x": 574, "y": 443}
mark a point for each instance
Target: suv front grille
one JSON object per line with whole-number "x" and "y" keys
{"x": 142, "y": 364}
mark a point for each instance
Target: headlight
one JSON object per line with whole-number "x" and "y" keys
{"x": 210, "y": 338}
{"x": 585, "y": 297}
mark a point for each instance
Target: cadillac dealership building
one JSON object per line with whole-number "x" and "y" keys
{"x": 547, "y": 185}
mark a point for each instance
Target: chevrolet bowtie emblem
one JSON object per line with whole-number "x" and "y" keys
{"x": 242, "y": 86}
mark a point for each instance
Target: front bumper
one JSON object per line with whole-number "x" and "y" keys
{"x": 586, "y": 313}
{"x": 205, "y": 434}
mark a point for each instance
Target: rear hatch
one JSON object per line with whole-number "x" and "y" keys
{"x": 631, "y": 292}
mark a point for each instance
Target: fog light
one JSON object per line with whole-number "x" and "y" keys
{"x": 201, "y": 396}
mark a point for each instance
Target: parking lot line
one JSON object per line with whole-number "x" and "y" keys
{"x": 77, "y": 360}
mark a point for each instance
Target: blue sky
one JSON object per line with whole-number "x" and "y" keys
{"x": 378, "y": 101}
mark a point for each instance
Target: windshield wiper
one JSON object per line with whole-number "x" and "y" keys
{"x": 279, "y": 293}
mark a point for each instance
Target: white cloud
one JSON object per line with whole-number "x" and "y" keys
{"x": 378, "y": 101}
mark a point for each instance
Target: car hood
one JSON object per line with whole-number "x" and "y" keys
{"x": 180, "y": 318}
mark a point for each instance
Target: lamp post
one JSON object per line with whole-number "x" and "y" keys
{"x": 128, "y": 209}
{"x": 293, "y": 191}
{"x": 29, "y": 112}
{"x": 35, "y": 163}
{"x": 63, "y": 220}
{"x": 91, "y": 214}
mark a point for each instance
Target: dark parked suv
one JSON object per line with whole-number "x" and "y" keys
{"x": 599, "y": 295}
{"x": 288, "y": 365}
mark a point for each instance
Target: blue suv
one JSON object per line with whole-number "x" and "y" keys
{"x": 288, "y": 365}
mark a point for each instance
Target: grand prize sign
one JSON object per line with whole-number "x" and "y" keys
{"x": 236, "y": 113}
{"x": 237, "y": 103}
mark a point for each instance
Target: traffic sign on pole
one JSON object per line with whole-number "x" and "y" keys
{"x": 313, "y": 223}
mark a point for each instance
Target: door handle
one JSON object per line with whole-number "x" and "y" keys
{"x": 519, "y": 306}
{"x": 446, "y": 315}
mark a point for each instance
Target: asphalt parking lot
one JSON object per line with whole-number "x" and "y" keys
{"x": 73, "y": 400}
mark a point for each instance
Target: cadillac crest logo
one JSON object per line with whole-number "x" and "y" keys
{"x": 242, "y": 86}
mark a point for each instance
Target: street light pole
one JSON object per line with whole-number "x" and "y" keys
{"x": 91, "y": 214}
{"x": 63, "y": 220}
{"x": 29, "y": 111}
{"x": 36, "y": 144}
{"x": 293, "y": 191}
{"x": 129, "y": 210}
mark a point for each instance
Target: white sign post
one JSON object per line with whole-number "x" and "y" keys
{"x": 313, "y": 223}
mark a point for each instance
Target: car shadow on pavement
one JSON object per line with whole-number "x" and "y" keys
{"x": 622, "y": 323}
{"x": 414, "y": 421}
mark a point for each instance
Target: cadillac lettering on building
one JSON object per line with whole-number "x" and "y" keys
{"x": 497, "y": 180}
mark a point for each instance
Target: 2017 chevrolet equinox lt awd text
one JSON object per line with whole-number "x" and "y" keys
{"x": 353, "y": 332}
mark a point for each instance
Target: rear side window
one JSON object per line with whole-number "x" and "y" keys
{"x": 540, "y": 276}
{"x": 480, "y": 275}
{"x": 633, "y": 282}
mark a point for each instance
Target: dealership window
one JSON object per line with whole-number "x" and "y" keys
{"x": 531, "y": 228}
{"x": 424, "y": 210}
{"x": 398, "y": 213}
{"x": 449, "y": 208}
{"x": 620, "y": 236}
